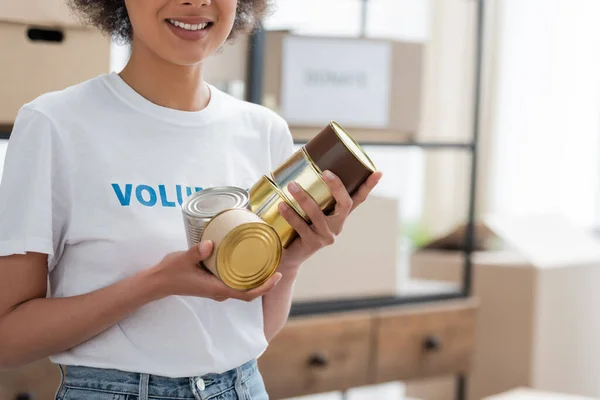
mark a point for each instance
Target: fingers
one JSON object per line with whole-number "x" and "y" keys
{"x": 296, "y": 221}
{"x": 363, "y": 192}
{"x": 340, "y": 194}
{"x": 311, "y": 208}
{"x": 201, "y": 251}
{"x": 343, "y": 202}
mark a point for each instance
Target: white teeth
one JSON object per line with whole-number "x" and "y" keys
{"x": 188, "y": 27}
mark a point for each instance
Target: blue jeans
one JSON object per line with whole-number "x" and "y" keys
{"x": 84, "y": 383}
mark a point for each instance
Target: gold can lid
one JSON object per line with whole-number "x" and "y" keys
{"x": 249, "y": 255}
{"x": 353, "y": 146}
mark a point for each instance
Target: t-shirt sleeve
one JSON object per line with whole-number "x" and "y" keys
{"x": 282, "y": 142}
{"x": 33, "y": 189}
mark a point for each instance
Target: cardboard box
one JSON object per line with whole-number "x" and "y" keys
{"x": 538, "y": 323}
{"x": 39, "y": 379}
{"x": 407, "y": 59}
{"x": 39, "y": 12}
{"x": 405, "y": 92}
{"x": 47, "y": 54}
{"x": 364, "y": 260}
{"x": 531, "y": 394}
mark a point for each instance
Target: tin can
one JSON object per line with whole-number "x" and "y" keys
{"x": 200, "y": 207}
{"x": 265, "y": 198}
{"x": 334, "y": 149}
{"x": 246, "y": 251}
{"x": 299, "y": 168}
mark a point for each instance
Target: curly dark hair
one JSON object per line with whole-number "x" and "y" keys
{"x": 111, "y": 17}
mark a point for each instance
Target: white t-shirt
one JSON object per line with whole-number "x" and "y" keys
{"x": 94, "y": 176}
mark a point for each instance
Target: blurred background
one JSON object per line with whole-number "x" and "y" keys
{"x": 472, "y": 272}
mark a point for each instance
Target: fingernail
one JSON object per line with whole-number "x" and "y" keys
{"x": 283, "y": 207}
{"x": 294, "y": 188}
{"x": 328, "y": 175}
{"x": 204, "y": 247}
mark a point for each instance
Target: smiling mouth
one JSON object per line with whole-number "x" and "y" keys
{"x": 189, "y": 27}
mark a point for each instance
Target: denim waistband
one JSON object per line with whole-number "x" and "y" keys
{"x": 145, "y": 385}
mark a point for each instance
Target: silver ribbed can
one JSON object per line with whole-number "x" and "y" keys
{"x": 202, "y": 206}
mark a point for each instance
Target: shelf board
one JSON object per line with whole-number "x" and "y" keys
{"x": 374, "y": 137}
{"x": 415, "y": 291}
{"x": 326, "y": 307}
{"x": 423, "y": 145}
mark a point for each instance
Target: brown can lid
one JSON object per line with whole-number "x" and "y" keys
{"x": 353, "y": 146}
{"x": 249, "y": 255}
{"x": 209, "y": 202}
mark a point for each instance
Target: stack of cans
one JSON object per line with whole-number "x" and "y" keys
{"x": 248, "y": 232}
{"x": 331, "y": 149}
{"x": 246, "y": 251}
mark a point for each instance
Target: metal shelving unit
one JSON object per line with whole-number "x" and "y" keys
{"x": 255, "y": 81}
{"x": 254, "y": 94}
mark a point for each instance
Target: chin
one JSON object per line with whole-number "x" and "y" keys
{"x": 184, "y": 57}
{"x": 189, "y": 61}
{"x": 190, "y": 56}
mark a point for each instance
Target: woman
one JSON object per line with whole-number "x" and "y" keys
{"x": 92, "y": 178}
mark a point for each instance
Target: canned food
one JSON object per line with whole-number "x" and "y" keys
{"x": 246, "y": 251}
{"x": 265, "y": 198}
{"x": 200, "y": 207}
{"x": 335, "y": 150}
{"x": 299, "y": 168}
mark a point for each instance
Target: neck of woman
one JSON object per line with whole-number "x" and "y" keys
{"x": 178, "y": 87}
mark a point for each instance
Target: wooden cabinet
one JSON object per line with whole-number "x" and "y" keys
{"x": 340, "y": 351}
{"x": 313, "y": 355}
{"x": 40, "y": 379}
{"x": 424, "y": 343}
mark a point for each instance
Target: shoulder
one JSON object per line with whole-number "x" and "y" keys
{"x": 252, "y": 113}
{"x": 37, "y": 123}
{"x": 65, "y": 102}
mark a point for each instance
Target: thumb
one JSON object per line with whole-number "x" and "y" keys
{"x": 201, "y": 251}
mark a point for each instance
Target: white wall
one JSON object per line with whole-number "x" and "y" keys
{"x": 3, "y": 145}
{"x": 407, "y": 20}
{"x": 548, "y": 109}
{"x": 119, "y": 55}
{"x": 398, "y": 19}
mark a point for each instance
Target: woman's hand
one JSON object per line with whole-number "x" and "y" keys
{"x": 180, "y": 273}
{"x": 324, "y": 228}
